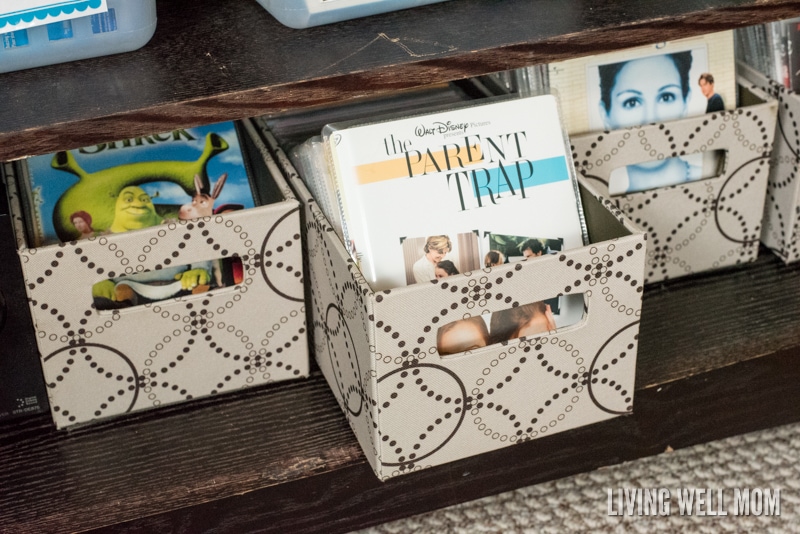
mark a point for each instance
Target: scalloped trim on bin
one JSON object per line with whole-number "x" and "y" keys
{"x": 124, "y": 26}
{"x": 31, "y": 13}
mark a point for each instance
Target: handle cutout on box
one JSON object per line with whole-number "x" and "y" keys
{"x": 665, "y": 172}
{"x": 167, "y": 283}
{"x": 522, "y": 321}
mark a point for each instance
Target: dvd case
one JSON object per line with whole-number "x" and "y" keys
{"x": 129, "y": 185}
{"x": 420, "y": 190}
{"x": 646, "y": 84}
{"x": 184, "y": 174}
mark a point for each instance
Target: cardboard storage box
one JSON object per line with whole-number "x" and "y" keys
{"x": 781, "y": 223}
{"x": 411, "y": 408}
{"x": 99, "y": 364}
{"x": 700, "y": 225}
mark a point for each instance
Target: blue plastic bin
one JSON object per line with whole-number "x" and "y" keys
{"x": 128, "y": 25}
{"x": 307, "y": 13}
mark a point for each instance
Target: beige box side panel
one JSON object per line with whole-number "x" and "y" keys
{"x": 781, "y": 221}
{"x": 340, "y": 303}
{"x": 437, "y": 409}
{"x": 700, "y": 225}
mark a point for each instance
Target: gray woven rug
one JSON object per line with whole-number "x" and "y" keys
{"x": 766, "y": 459}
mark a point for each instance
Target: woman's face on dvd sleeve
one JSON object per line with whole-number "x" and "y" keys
{"x": 81, "y": 225}
{"x": 645, "y": 90}
{"x": 436, "y": 255}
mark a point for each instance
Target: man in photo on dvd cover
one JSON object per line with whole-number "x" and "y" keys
{"x": 522, "y": 321}
{"x": 436, "y": 248}
{"x": 532, "y": 248}
{"x": 715, "y": 102}
{"x": 463, "y": 335}
{"x": 647, "y": 90}
{"x": 494, "y": 258}
{"x": 445, "y": 268}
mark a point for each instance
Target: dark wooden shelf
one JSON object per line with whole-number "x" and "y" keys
{"x": 718, "y": 356}
{"x": 718, "y": 352}
{"x": 211, "y": 61}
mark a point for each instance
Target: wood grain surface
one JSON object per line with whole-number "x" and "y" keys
{"x": 211, "y": 61}
{"x": 739, "y": 398}
{"x": 718, "y": 356}
{"x": 718, "y": 352}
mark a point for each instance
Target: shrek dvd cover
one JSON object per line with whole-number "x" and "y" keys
{"x": 135, "y": 183}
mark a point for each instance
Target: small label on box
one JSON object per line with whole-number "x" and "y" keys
{"x": 104, "y": 22}
{"x": 15, "y": 39}
{"x": 59, "y": 30}
{"x": 26, "y": 404}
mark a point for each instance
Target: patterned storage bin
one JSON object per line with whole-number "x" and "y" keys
{"x": 700, "y": 225}
{"x": 411, "y": 408}
{"x": 98, "y": 364}
{"x": 781, "y": 229}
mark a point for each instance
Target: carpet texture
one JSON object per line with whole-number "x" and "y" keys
{"x": 766, "y": 459}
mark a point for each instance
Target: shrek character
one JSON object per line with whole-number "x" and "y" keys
{"x": 152, "y": 286}
{"x": 92, "y": 191}
{"x": 134, "y": 210}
